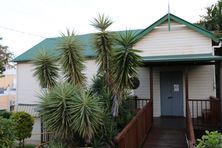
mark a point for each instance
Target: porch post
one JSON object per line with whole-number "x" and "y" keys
{"x": 220, "y": 89}
{"x": 151, "y": 82}
{"x": 151, "y": 89}
{"x": 186, "y": 90}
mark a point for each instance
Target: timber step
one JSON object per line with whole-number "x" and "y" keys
{"x": 165, "y": 138}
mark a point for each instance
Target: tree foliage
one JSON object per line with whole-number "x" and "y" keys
{"x": 7, "y": 132}
{"x": 5, "y": 114}
{"x": 5, "y": 57}
{"x": 212, "y": 20}
{"x": 23, "y": 125}
{"x": 210, "y": 140}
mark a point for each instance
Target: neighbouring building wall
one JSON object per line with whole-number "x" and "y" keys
{"x": 7, "y": 80}
{"x": 28, "y": 87}
{"x": 180, "y": 40}
{"x": 201, "y": 83}
{"x": 8, "y": 88}
{"x": 6, "y": 100}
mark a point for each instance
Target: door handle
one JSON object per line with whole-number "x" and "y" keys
{"x": 170, "y": 97}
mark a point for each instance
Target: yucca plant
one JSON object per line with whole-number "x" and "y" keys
{"x": 46, "y": 70}
{"x": 54, "y": 109}
{"x": 103, "y": 42}
{"x": 126, "y": 62}
{"x": 71, "y": 58}
{"x": 68, "y": 110}
{"x": 87, "y": 114}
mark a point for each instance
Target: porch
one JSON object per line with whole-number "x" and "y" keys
{"x": 198, "y": 114}
{"x": 146, "y": 131}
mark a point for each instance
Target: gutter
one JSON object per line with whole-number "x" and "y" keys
{"x": 216, "y": 46}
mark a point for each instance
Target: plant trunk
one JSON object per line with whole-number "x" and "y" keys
{"x": 115, "y": 106}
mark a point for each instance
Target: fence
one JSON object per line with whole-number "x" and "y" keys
{"x": 133, "y": 135}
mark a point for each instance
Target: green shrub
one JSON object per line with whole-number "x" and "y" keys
{"x": 210, "y": 140}
{"x": 23, "y": 127}
{"x": 5, "y": 114}
{"x": 55, "y": 144}
{"x": 7, "y": 132}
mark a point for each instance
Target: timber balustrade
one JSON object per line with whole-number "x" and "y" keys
{"x": 134, "y": 134}
{"x": 205, "y": 111}
{"x": 139, "y": 103}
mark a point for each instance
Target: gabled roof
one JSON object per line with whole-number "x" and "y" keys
{"x": 50, "y": 44}
{"x": 181, "y": 21}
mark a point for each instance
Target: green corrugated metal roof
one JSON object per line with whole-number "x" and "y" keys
{"x": 182, "y": 58}
{"x": 50, "y": 45}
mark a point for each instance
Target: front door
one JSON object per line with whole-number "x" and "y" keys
{"x": 171, "y": 93}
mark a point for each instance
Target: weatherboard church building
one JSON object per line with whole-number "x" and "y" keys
{"x": 181, "y": 59}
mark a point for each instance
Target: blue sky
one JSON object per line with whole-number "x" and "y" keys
{"x": 24, "y": 21}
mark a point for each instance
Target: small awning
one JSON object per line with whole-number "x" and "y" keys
{"x": 28, "y": 108}
{"x": 182, "y": 58}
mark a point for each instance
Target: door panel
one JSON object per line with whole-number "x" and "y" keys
{"x": 171, "y": 93}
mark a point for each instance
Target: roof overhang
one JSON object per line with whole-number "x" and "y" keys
{"x": 181, "y": 59}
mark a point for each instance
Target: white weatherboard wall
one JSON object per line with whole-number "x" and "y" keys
{"x": 90, "y": 70}
{"x": 201, "y": 83}
{"x": 28, "y": 86}
{"x": 179, "y": 40}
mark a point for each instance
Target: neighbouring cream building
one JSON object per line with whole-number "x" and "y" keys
{"x": 8, "y": 88}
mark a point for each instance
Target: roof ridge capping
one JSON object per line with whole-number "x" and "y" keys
{"x": 181, "y": 21}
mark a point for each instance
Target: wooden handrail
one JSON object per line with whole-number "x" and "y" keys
{"x": 190, "y": 129}
{"x": 135, "y": 131}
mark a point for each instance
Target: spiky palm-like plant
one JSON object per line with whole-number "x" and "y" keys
{"x": 87, "y": 115}
{"x": 68, "y": 109}
{"x": 71, "y": 58}
{"x": 103, "y": 42}
{"x": 46, "y": 69}
{"x": 54, "y": 108}
{"x": 126, "y": 62}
